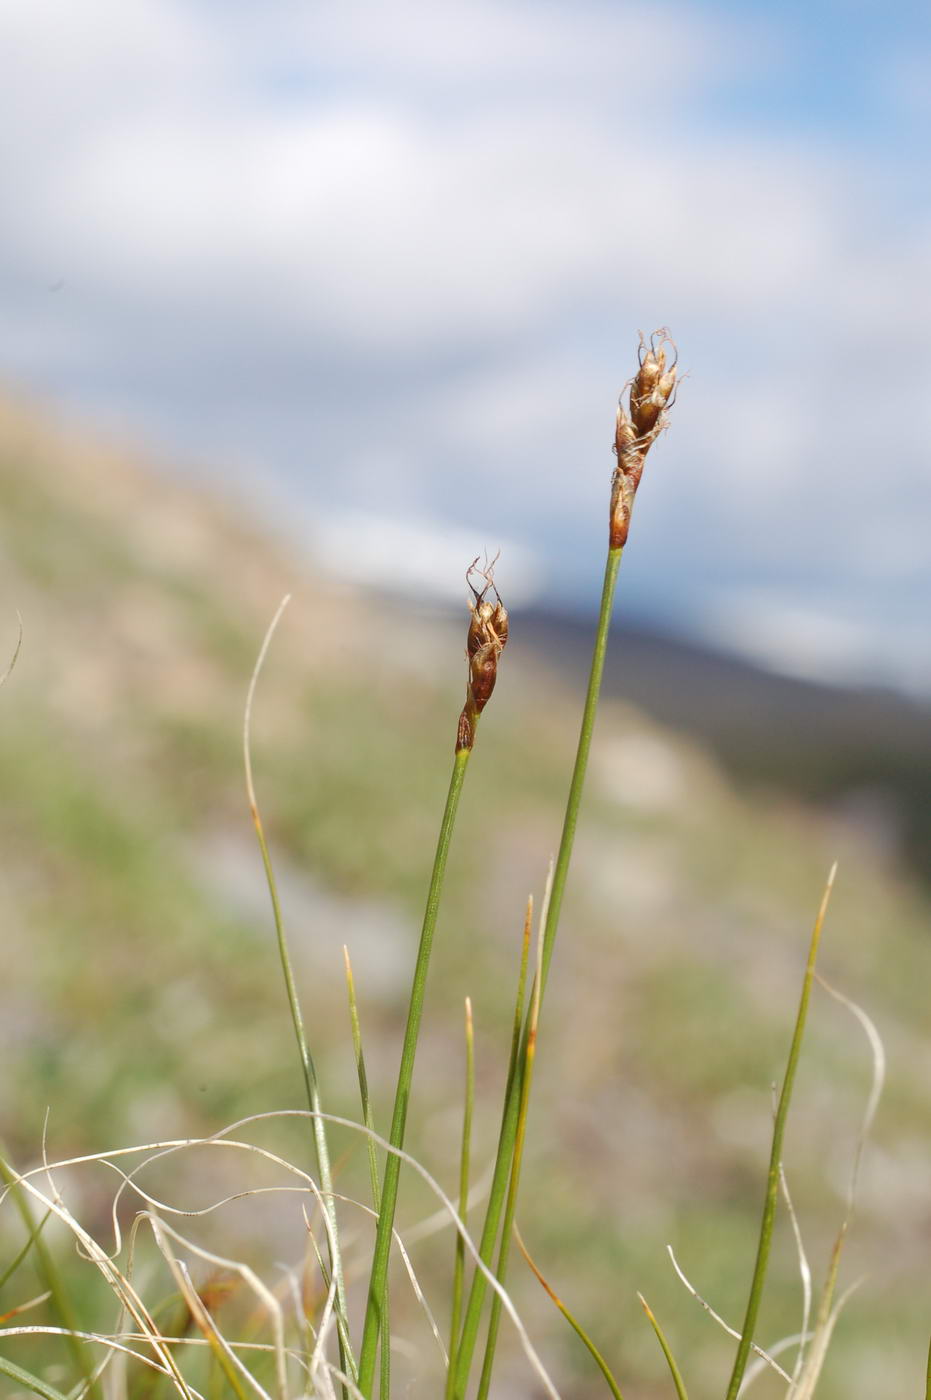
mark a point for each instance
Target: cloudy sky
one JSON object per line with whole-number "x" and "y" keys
{"x": 382, "y": 266}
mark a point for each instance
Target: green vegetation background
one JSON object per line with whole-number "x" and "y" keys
{"x": 141, "y": 996}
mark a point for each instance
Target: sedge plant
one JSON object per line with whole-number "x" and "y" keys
{"x": 487, "y": 637}
{"x": 639, "y": 423}
{"x": 641, "y": 418}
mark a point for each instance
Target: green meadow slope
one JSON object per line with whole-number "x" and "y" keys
{"x": 141, "y": 997}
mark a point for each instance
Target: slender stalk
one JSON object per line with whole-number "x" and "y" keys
{"x": 928, "y": 1376}
{"x": 516, "y": 1035}
{"x": 573, "y": 1322}
{"x": 504, "y": 1247}
{"x": 587, "y": 728}
{"x": 297, "y": 1020}
{"x": 464, "y": 1168}
{"x": 521, "y": 988}
{"x": 11, "y": 1268}
{"x": 775, "y": 1158}
{"x": 33, "y": 1384}
{"x": 667, "y": 1350}
{"x": 378, "y": 1282}
{"x": 509, "y": 1121}
{"x": 368, "y": 1118}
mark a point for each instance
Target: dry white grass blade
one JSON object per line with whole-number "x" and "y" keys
{"x": 115, "y": 1279}
{"x": 878, "y": 1053}
{"x": 293, "y": 1285}
{"x": 321, "y": 1265}
{"x": 161, "y": 1232}
{"x": 804, "y": 1269}
{"x": 433, "y": 1185}
{"x": 808, "y": 1376}
{"x": 28, "y": 1306}
{"x": 114, "y": 1344}
{"x": 309, "y": 1186}
{"x": 439, "y": 1220}
{"x": 318, "y": 1361}
{"x": 731, "y": 1331}
{"x": 199, "y": 1313}
{"x": 759, "y": 1367}
{"x": 334, "y": 1373}
{"x": 130, "y": 1181}
{"x": 126, "y": 1294}
{"x": 16, "y": 650}
{"x": 805, "y": 1388}
{"x": 420, "y": 1296}
{"x": 250, "y": 697}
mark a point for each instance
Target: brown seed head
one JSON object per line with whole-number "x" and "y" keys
{"x": 638, "y": 425}
{"x": 487, "y": 638}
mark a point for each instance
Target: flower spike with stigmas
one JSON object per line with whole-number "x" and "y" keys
{"x": 638, "y": 426}
{"x": 488, "y": 634}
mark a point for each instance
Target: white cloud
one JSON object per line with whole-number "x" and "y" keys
{"x": 420, "y": 235}
{"x": 424, "y": 558}
{"x": 795, "y": 636}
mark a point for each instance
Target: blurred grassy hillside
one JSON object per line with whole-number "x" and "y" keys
{"x": 141, "y": 996}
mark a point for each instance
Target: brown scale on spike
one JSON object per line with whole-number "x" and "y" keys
{"x": 487, "y": 638}
{"x": 639, "y": 424}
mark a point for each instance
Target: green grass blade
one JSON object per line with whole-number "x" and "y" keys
{"x": 509, "y": 1120}
{"x": 464, "y": 1171}
{"x": 31, "y": 1382}
{"x": 378, "y": 1281}
{"x": 297, "y": 1020}
{"x": 571, "y": 1319}
{"x": 494, "y": 1320}
{"x": 772, "y": 1185}
{"x": 674, "y": 1371}
{"x": 513, "y": 1062}
{"x": 521, "y": 991}
{"x": 367, "y": 1115}
{"x": 33, "y": 1235}
{"x": 384, "y": 1379}
{"x": 928, "y": 1375}
{"x": 510, "y": 1208}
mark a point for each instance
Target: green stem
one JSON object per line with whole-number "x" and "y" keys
{"x": 573, "y": 1322}
{"x": 775, "y": 1157}
{"x": 570, "y": 821}
{"x": 509, "y": 1120}
{"x": 378, "y": 1282}
{"x": 674, "y": 1371}
{"x": 464, "y": 1167}
{"x": 33, "y": 1233}
{"x": 367, "y": 1115}
{"x": 516, "y": 1034}
{"x": 32, "y": 1383}
{"x": 368, "y": 1118}
{"x": 504, "y": 1247}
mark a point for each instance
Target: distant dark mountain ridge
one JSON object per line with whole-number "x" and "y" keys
{"x": 867, "y": 750}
